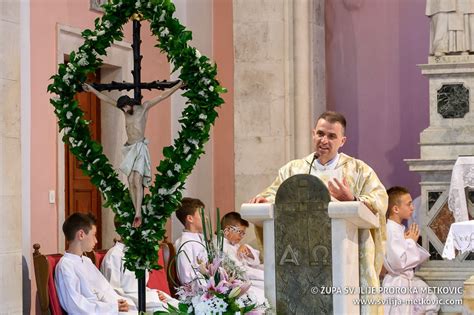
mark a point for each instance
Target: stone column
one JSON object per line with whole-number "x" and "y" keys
{"x": 279, "y": 76}
{"x": 10, "y": 160}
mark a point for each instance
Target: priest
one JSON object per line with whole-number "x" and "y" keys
{"x": 347, "y": 179}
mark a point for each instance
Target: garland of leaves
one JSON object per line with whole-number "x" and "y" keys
{"x": 179, "y": 159}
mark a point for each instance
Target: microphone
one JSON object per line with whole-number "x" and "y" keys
{"x": 315, "y": 156}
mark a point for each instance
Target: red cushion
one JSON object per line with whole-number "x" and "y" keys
{"x": 54, "y": 305}
{"x": 99, "y": 256}
{"x": 158, "y": 279}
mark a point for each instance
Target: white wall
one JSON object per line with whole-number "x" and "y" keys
{"x": 10, "y": 160}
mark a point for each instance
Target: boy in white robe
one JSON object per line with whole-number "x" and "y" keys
{"x": 243, "y": 255}
{"x": 82, "y": 289}
{"x": 402, "y": 255}
{"x": 190, "y": 246}
{"x": 126, "y": 284}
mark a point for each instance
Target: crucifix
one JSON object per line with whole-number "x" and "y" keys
{"x": 136, "y": 162}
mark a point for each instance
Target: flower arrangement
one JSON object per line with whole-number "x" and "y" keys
{"x": 220, "y": 287}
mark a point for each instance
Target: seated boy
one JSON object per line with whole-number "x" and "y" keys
{"x": 126, "y": 284}
{"x": 190, "y": 246}
{"x": 403, "y": 254}
{"x": 243, "y": 255}
{"x": 82, "y": 289}
{"x": 234, "y": 228}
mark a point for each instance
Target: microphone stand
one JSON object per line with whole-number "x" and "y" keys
{"x": 315, "y": 156}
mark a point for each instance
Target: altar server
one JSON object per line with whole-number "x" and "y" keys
{"x": 190, "y": 246}
{"x": 126, "y": 284}
{"x": 82, "y": 289}
{"x": 402, "y": 255}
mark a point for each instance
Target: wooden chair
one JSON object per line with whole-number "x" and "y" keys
{"x": 169, "y": 265}
{"x": 97, "y": 256}
{"x": 44, "y": 266}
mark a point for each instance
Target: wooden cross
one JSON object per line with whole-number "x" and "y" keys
{"x": 137, "y": 87}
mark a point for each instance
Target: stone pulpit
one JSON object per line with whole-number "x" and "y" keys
{"x": 310, "y": 246}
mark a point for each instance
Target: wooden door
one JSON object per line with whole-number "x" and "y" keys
{"x": 81, "y": 194}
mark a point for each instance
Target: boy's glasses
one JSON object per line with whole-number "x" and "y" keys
{"x": 233, "y": 228}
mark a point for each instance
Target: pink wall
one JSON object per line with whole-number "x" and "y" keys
{"x": 45, "y": 15}
{"x": 372, "y": 49}
{"x": 223, "y": 134}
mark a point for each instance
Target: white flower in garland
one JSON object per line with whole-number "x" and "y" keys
{"x": 165, "y": 192}
{"x": 172, "y": 189}
{"x": 83, "y": 62}
{"x": 69, "y": 115}
{"x": 177, "y": 168}
{"x": 203, "y": 116}
{"x": 149, "y": 208}
{"x": 194, "y": 142}
{"x": 146, "y": 233}
{"x": 100, "y": 33}
{"x": 67, "y": 77}
{"x": 106, "y": 190}
{"x": 164, "y": 32}
{"x": 107, "y": 24}
{"x": 186, "y": 149}
{"x": 206, "y": 81}
{"x": 162, "y": 16}
{"x": 138, "y": 265}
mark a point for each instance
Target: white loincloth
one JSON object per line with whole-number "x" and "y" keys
{"x": 136, "y": 157}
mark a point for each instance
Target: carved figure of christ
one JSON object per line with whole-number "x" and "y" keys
{"x": 136, "y": 163}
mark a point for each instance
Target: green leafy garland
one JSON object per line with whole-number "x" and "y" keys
{"x": 179, "y": 159}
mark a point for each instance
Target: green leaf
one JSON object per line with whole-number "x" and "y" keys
{"x": 183, "y": 307}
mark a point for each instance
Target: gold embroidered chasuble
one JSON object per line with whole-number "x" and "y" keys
{"x": 366, "y": 186}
